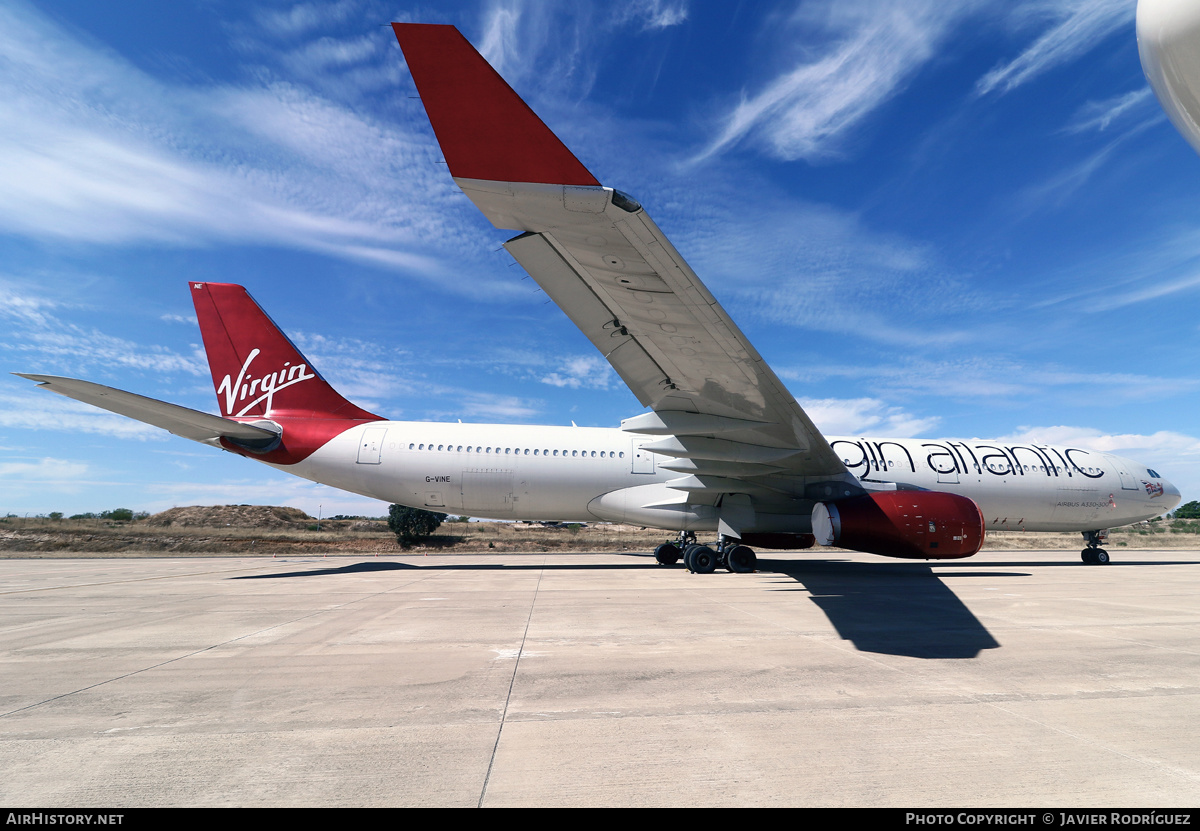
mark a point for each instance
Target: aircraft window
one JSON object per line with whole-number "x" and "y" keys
{"x": 422, "y": 447}
{"x": 439, "y": 447}
{"x": 478, "y": 449}
{"x": 468, "y": 449}
{"x": 574, "y": 452}
{"x": 555, "y": 452}
{"x": 1153, "y": 474}
{"x": 410, "y": 446}
{"x": 593, "y": 454}
{"x": 526, "y": 451}
{"x": 622, "y": 454}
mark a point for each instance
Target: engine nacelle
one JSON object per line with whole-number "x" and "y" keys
{"x": 920, "y": 525}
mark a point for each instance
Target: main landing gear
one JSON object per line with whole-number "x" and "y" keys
{"x": 1094, "y": 555}
{"x": 704, "y": 559}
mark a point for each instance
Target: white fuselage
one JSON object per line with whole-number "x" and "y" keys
{"x": 585, "y": 474}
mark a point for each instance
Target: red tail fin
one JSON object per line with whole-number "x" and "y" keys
{"x": 256, "y": 370}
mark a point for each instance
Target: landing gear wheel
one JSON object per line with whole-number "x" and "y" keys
{"x": 741, "y": 559}
{"x": 687, "y": 557}
{"x": 1100, "y": 557}
{"x": 704, "y": 559}
{"x": 667, "y": 554}
{"x": 1088, "y": 556}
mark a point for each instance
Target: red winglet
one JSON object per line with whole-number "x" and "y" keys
{"x": 484, "y": 128}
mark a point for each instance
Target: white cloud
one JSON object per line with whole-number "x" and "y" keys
{"x": 1099, "y": 115}
{"x": 489, "y": 405}
{"x": 864, "y": 416}
{"x": 817, "y": 268}
{"x": 55, "y": 345}
{"x": 1077, "y": 26}
{"x": 43, "y": 471}
{"x": 304, "y": 17}
{"x": 1174, "y": 455}
{"x": 96, "y": 151}
{"x": 583, "y": 371}
{"x": 653, "y": 14}
{"x": 43, "y": 410}
{"x": 868, "y": 52}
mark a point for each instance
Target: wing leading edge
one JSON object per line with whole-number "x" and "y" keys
{"x": 727, "y": 420}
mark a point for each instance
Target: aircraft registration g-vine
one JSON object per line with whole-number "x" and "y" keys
{"x": 725, "y": 449}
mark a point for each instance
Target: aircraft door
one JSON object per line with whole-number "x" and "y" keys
{"x": 643, "y": 460}
{"x": 370, "y": 446}
{"x": 1128, "y": 481}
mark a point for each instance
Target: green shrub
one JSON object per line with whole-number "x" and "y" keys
{"x": 411, "y": 524}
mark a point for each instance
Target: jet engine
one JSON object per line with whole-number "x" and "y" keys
{"x": 920, "y": 525}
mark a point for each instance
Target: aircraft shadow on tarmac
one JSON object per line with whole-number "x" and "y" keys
{"x": 892, "y": 608}
{"x": 886, "y": 608}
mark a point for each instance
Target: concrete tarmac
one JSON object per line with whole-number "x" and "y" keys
{"x": 1014, "y": 678}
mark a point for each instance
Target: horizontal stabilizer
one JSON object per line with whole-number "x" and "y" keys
{"x": 182, "y": 421}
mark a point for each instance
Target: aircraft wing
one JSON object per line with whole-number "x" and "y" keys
{"x": 597, "y": 253}
{"x": 182, "y": 421}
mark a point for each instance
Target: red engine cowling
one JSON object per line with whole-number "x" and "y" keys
{"x": 922, "y": 525}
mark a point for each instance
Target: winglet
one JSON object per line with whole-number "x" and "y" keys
{"x": 484, "y": 128}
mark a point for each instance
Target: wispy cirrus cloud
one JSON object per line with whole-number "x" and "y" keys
{"x": 867, "y": 52}
{"x": 35, "y": 332}
{"x": 1075, "y": 26}
{"x": 98, "y": 152}
{"x": 653, "y": 14}
{"x": 1100, "y": 115}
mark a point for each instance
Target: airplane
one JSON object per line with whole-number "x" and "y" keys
{"x": 1168, "y": 36}
{"x": 724, "y": 448}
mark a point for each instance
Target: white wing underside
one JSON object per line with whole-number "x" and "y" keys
{"x": 724, "y": 416}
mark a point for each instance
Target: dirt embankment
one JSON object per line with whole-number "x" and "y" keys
{"x": 240, "y": 530}
{"x": 273, "y": 530}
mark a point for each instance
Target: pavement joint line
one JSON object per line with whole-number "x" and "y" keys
{"x": 210, "y": 647}
{"x": 511, "y": 682}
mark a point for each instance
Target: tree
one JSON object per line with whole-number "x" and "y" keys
{"x": 411, "y": 524}
{"x": 1189, "y": 511}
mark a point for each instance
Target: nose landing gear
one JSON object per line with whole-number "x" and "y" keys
{"x": 1094, "y": 555}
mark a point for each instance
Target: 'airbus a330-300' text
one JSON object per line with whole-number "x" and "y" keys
{"x": 724, "y": 450}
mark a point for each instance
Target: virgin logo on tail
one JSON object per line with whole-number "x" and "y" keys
{"x": 265, "y": 386}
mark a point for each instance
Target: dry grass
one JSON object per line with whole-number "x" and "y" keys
{"x": 263, "y": 531}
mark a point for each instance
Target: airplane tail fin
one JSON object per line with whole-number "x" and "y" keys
{"x": 257, "y": 371}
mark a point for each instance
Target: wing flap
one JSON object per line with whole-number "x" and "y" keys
{"x": 182, "y": 421}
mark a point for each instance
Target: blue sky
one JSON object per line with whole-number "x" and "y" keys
{"x": 961, "y": 220}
